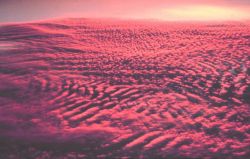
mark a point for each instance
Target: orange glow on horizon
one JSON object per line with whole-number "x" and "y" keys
{"x": 203, "y": 13}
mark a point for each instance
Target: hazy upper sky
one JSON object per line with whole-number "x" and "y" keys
{"x": 29, "y": 10}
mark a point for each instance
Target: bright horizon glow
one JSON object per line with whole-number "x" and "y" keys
{"x": 204, "y": 13}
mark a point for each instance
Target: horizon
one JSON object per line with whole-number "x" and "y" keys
{"x": 59, "y": 19}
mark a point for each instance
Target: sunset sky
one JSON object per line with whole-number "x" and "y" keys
{"x": 173, "y": 10}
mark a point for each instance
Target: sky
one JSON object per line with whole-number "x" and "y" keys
{"x": 172, "y": 10}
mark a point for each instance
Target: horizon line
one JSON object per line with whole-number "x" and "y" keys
{"x": 124, "y": 19}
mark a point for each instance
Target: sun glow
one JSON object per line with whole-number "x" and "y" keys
{"x": 205, "y": 13}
